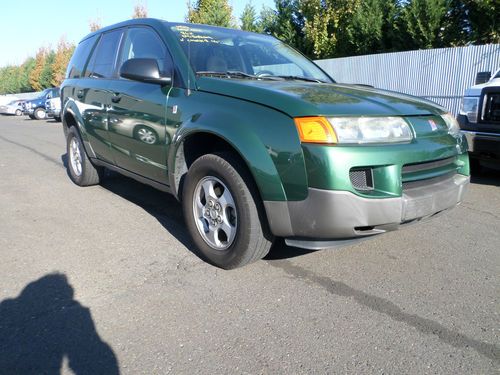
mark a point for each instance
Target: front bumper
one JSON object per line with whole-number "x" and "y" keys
{"x": 340, "y": 215}
{"x": 53, "y": 112}
{"x": 483, "y": 145}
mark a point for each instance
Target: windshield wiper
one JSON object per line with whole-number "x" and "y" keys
{"x": 300, "y": 78}
{"x": 235, "y": 74}
{"x": 227, "y": 74}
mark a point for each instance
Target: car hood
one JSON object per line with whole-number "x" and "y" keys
{"x": 297, "y": 98}
{"x": 476, "y": 89}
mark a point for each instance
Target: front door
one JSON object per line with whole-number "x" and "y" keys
{"x": 136, "y": 115}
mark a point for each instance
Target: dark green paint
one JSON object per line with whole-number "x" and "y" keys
{"x": 256, "y": 118}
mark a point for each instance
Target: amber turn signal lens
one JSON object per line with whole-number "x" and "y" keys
{"x": 315, "y": 130}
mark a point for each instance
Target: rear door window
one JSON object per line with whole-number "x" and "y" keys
{"x": 103, "y": 60}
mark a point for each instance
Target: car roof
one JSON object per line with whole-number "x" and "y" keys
{"x": 155, "y": 22}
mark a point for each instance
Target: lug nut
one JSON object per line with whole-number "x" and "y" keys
{"x": 207, "y": 212}
{"x": 217, "y": 207}
{"x": 210, "y": 204}
{"x": 219, "y": 219}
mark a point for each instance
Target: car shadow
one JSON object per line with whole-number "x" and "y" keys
{"x": 486, "y": 176}
{"x": 168, "y": 211}
{"x": 45, "y": 325}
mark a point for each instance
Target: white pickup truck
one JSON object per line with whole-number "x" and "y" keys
{"x": 479, "y": 119}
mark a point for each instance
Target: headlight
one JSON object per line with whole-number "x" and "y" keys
{"x": 353, "y": 130}
{"x": 452, "y": 124}
{"x": 371, "y": 129}
{"x": 469, "y": 108}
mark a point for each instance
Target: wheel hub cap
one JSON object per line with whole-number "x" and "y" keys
{"x": 215, "y": 214}
{"x": 75, "y": 157}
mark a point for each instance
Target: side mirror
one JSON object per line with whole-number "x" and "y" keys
{"x": 143, "y": 70}
{"x": 482, "y": 77}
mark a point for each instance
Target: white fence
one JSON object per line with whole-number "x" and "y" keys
{"x": 440, "y": 75}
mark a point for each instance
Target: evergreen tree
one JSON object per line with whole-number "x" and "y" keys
{"x": 423, "y": 22}
{"x": 211, "y": 12}
{"x": 249, "y": 19}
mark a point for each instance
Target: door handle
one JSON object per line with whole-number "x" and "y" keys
{"x": 79, "y": 94}
{"x": 116, "y": 98}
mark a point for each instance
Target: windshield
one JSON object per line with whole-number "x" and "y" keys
{"x": 248, "y": 55}
{"x": 43, "y": 94}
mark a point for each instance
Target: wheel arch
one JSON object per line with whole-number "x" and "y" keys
{"x": 194, "y": 144}
{"x": 70, "y": 116}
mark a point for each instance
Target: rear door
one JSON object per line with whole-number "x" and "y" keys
{"x": 137, "y": 128}
{"x": 93, "y": 93}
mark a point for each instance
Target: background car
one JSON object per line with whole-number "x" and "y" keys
{"x": 53, "y": 105}
{"x": 15, "y": 107}
{"x": 35, "y": 108}
{"x": 479, "y": 120}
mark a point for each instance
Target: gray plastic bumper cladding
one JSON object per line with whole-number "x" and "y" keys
{"x": 327, "y": 215}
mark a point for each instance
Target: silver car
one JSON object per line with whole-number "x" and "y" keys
{"x": 15, "y": 107}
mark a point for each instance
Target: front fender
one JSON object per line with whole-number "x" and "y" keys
{"x": 264, "y": 138}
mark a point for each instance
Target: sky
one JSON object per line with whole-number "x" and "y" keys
{"x": 28, "y": 25}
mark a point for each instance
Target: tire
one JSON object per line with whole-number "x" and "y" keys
{"x": 40, "y": 114}
{"x": 18, "y": 112}
{"x": 80, "y": 169}
{"x": 221, "y": 207}
{"x": 58, "y": 119}
{"x": 32, "y": 117}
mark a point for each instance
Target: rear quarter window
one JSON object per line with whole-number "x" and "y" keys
{"x": 78, "y": 60}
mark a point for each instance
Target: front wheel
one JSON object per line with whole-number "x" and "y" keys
{"x": 221, "y": 208}
{"x": 40, "y": 114}
{"x": 19, "y": 112}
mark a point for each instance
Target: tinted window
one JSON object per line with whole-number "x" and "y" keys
{"x": 142, "y": 42}
{"x": 103, "y": 59}
{"x": 79, "y": 58}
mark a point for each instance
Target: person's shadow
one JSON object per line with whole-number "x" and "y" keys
{"x": 44, "y": 325}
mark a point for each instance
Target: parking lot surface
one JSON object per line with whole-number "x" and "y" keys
{"x": 103, "y": 280}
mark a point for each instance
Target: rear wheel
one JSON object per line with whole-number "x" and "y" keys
{"x": 80, "y": 169}
{"x": 221, "y": 208}
{"x": 40, "y": 114}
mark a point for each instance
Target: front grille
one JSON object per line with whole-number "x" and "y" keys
{"x": 361, "y": 179}
{"x": 491, "y": 107}
{"x": 428, "y": 173}
{"x": 428, "y": 181}
{"x": 427, "y": 166}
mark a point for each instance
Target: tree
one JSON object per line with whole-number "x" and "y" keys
{"x": 285, "y": 23}
{"x": 373, "y": 27}
{"x": 61, "y": 60}
{"x": 45, "y": 79}
{"x": 140, "y": 11}
{"x": 249, "y": 19}
{"x": 95, "y": 24}
{"x": 423, "y": 21}
{"x": 483, "y": 19}
{"x": 36, "y": 72}
{"x": 211, "y": 12}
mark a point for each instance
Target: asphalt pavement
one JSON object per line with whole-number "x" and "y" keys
{"x": 103, "y": 280}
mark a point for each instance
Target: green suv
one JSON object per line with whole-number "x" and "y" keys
{"x": 254, "y": 139}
